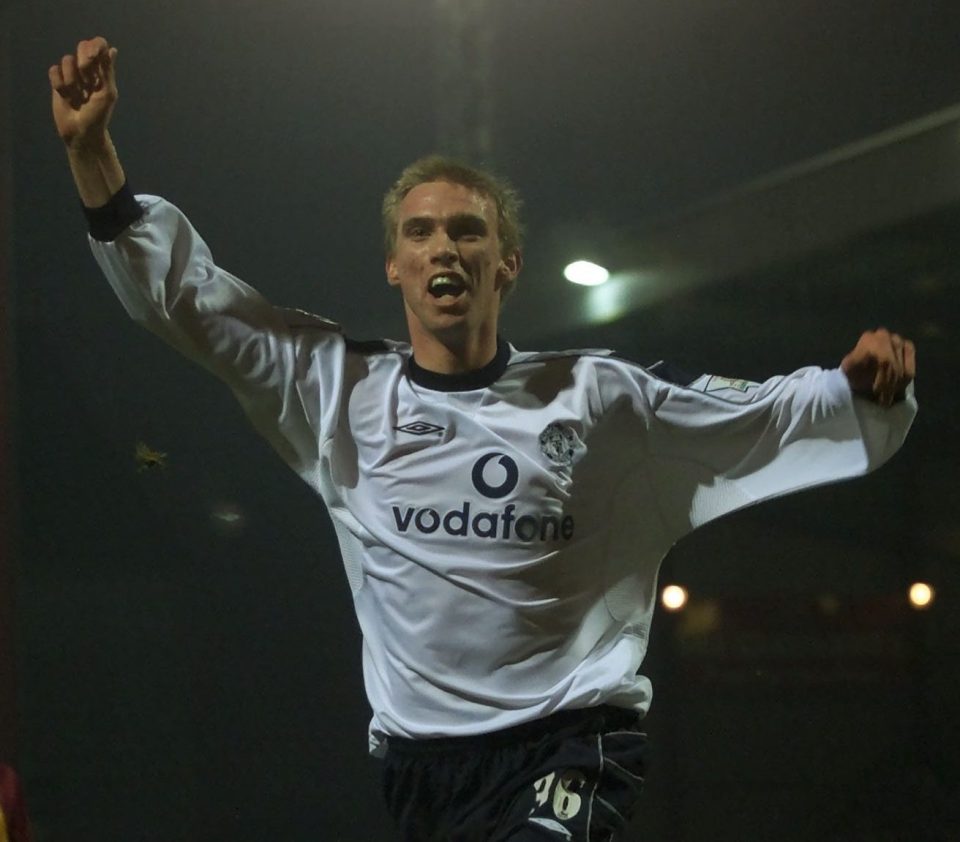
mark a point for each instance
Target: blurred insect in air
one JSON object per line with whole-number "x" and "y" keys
{"x": 149, "y": 459}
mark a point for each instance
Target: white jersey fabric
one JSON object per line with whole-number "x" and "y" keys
{"x": 501, "y": 531}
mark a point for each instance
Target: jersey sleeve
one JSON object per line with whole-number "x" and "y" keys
{"x": 718, "y": 445}
{"x": 284, "y": 370}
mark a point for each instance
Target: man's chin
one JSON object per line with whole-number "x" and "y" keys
{"x": 450, "y": 313}
{"x": 448, "y": 323}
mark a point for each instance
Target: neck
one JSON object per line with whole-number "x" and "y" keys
{"x": 453, "y": 354}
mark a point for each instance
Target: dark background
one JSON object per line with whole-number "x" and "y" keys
{"x": 182, "y": 677}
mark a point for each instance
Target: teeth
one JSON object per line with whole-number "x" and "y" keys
{"x": 444, "y": 281}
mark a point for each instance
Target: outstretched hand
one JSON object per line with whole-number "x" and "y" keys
{"x": 84, "y": 88}
{"x": 880, "y": 366}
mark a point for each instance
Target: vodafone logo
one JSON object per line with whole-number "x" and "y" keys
{"x": 494, "y": 475}
{"x": 509, "y": 475}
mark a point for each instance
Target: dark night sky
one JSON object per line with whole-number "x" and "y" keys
{"x": 278, "y": 125}
{"x": 161, "y": 656}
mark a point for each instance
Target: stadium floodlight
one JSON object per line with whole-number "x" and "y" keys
{"x": 674, "y": 597}
{"x": 585, "y": 273}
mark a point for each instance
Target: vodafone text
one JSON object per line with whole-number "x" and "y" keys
{"x": 506, "y": 524}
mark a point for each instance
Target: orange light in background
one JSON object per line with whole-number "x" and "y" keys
{"x": 921, "y": 595}
{"x": 674, "y": 597}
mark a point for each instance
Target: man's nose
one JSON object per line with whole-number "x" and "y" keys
{"x": 443, "y": 249}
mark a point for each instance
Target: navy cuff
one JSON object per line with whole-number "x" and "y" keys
{"x": 109, "y": 221}
{"x": 672, "y": 373}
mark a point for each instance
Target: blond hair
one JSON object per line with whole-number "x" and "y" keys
{"x": 441, "y": 168}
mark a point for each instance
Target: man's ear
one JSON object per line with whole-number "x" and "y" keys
{"x": 393, "y": 276}
{"x": 509, "y": 268}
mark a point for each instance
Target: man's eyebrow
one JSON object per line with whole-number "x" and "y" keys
{"x": 414, "y": 221}
{"x": 470, "y": 221}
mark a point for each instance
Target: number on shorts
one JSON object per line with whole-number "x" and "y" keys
{"x": 542, "y": 789}
{"x": 566, "y": 801}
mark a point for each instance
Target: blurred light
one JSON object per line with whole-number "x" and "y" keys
{"x": 227, "y": 518}
{"x": 828, "y": 603}
{"x": 608, "y": 302}
{"x": 585, "y": 273}
{"x": 624, "y": 291}
{"x": 700, "y": 618}
{"x": 674, "y": 597}
{"x": 921, "y": 595}
{"x": 928, "y": 284}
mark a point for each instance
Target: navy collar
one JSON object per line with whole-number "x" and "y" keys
{"x": 463, "y": 381}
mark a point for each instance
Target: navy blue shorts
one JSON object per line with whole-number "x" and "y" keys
{"x": 574, "y": 776}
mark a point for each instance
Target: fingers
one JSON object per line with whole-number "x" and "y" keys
{"x": 68, "y": 65}
{"x": 64, "y": 78}
{"x": 894, "y": 359}
{"x": 905, "y": 367}
{"x": 890, "y": 365}
{"x": 55, "y": 75}
{"x": 881, "y": 366}
{"x": 894, "y": 368}
{"x": 92, "y": 56}
{"x": 84, "y": 91}
{"x": 109, "y": 62}
{"x": 87, "y": 71}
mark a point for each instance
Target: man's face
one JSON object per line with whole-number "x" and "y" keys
{"x": 447, "y": 261}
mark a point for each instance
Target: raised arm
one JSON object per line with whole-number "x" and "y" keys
{"x": 84, "y": 92}
{"x": 167, "y": 280}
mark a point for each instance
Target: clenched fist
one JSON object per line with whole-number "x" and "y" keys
{"x": 881, "y": 366}
{"x": 84, "y": 88}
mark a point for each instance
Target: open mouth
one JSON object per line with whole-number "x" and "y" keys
{"x": 442, "y": 286}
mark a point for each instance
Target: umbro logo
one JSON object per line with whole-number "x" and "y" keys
{"x": 419, "y": 428}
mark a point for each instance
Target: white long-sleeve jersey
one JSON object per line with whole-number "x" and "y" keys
{"x": 502, "y": 530}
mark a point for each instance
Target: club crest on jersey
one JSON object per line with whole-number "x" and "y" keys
{"x": 558, "y": 443}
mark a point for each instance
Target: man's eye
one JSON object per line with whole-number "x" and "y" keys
{"x": 467, "y": 234}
